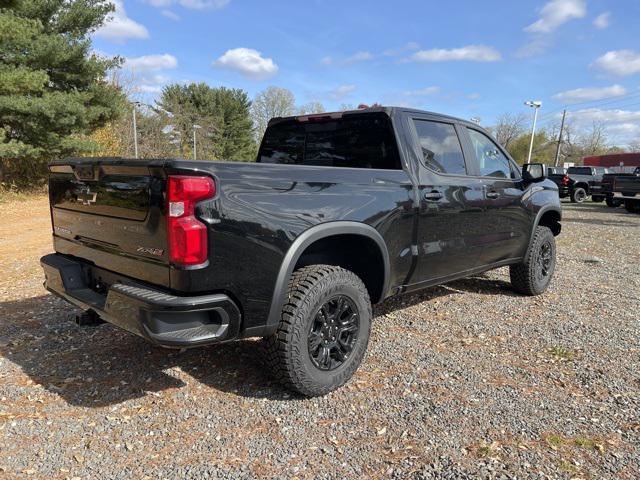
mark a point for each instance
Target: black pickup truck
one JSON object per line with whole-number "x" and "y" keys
{"x": 623, "y": 188}
{"x": 578, "y": 183}
{"x": 340, "y": 211}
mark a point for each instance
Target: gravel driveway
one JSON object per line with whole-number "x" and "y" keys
{"x": 462, "y": 381}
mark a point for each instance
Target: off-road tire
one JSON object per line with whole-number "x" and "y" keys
{"x": 613, "y": 202}
{"x": 632, "y": 206}
{"x": 287, "y": 350}
{"x": 578, "y": 195}
{"x": 525, "y": 276}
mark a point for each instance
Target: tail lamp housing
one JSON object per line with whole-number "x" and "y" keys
{"x": 187, "y": 236}
{"x": 565, "y": 180}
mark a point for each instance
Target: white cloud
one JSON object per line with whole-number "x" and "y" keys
{"x": 191, "y": 4}
{"x": 621, "y": 126}
{"x": 474, "y": 96}
{"x": 422, "y": 92}
{"x": 341, "y": 92}
{"x": 393, "y": 52}
{"x": 203, "y": 4}
{"x": 326, "y": 60}
{"x": 619, "y": 62}
{"x": 472, "y": 53}
{"x": 358, "y": 57}
{"x": 151, "y": 62}
{"x": 590, "y": 93}
{"x": 120, "y": 27}
{"x": 151, "y": 83}
{"x": 248, "y": 62}
{"x": 555, "y": 13}
{"x": 170, "y": 15}
{"x": 602, "y": 21}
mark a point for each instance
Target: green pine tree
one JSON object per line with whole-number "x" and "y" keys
{"x": 53, "y": 90}
{"x": 222, "y": 116}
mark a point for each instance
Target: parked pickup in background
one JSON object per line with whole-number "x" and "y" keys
{"x": 623, "y": 188}
{"x": 340, "y": 211}
{"x": 578, "y": 183}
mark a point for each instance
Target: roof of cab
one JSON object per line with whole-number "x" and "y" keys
{"x": 389, "y": 110}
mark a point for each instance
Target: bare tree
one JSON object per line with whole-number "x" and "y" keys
{"x": 270, "y": 103}
{"x": 634, "y": 146}
{"x": 311, "y": 107}
{"x": 508, "y": 128}
{"x": 593, "y": 140}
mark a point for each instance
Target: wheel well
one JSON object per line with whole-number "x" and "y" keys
{"x": 582, "y": 185}
{"x": 551, "y": 219}
{"x": 356, "y": 253}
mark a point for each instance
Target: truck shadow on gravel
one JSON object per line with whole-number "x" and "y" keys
{"x": 101, "y": 366}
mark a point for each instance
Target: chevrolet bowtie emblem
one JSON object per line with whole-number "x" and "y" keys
{"x": 86, "y": 196}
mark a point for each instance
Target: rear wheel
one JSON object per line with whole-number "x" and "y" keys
{"x": 534, "y": 274}
{"x": 612, "y": 202}
{"x": 578, "y": 195}
{"x": 632, "y": 206}
{"x": 323, "y": 332}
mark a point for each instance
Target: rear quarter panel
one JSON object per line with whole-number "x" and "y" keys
{"x": 260, "y": 209}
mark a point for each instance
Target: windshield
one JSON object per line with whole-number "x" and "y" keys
{"x": 363, "y": 140}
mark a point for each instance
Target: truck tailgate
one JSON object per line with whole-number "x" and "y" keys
{"x": 110, "y": 212}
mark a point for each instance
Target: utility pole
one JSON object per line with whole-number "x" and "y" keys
{"x": 536, "y": 104}
{"x": 564, "y": 114}
{"x": 194, "y": 139}
{"x": 135, "y": 131}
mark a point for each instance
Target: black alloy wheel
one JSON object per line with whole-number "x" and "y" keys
{"x": 333, "y": 333}
{"x": 544, "y": 262}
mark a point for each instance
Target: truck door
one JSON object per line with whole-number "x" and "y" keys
{"x": 505, "y": 221}
{"x": 450, "y": 204}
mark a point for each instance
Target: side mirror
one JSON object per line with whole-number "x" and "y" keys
{"x": 534, "y": 172}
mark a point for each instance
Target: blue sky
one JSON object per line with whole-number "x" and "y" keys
{"x": 465, "y": 58}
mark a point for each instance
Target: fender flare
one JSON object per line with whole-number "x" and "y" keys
{"x": 541, "y": 212}
{"x": 305, "y": 239}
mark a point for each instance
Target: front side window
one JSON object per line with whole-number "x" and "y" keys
{"x": 441, "y": 149}
{"x": 491, "y": 161}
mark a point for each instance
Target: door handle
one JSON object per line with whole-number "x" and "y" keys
{"x": 493, "y": 194}
{"x": 432, "y": 196}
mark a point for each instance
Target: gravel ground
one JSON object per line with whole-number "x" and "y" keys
{"x": 466, "y": 380}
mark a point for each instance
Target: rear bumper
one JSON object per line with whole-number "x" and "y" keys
{"x": 164, "y": 319}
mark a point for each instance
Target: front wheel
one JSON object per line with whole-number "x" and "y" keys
{"x": 578, "y": 195}
{"x": 534, "y": 274}
{"x": 323, "y": 332}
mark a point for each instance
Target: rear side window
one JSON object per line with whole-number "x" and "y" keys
{"x": 359, "y": 141}
{"x": 491, "y": 161}
{"x": 441, "y": 149}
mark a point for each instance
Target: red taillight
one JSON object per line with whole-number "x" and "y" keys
{"x": 186, "y": 234}
{"x": 565, "y": 180}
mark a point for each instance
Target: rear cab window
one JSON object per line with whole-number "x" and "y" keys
{"x": 362, "y": 140}
{"x": 579, "y": 171}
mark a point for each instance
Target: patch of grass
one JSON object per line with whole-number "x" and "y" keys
{"x": 568, "y": 467}
{"x": 556, "y": 441}
{"x": 488, "y": 450}
{"x": 10, "y": 193}
{"x": 589, "y": 443}
{"x": 562, "y": 353}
